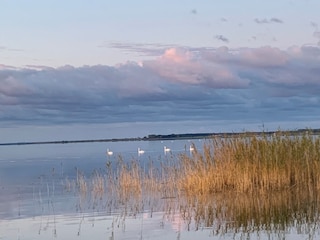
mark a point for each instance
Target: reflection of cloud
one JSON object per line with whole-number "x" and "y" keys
{"x": 180, "y": 83}
{"x": 222, "y": 38}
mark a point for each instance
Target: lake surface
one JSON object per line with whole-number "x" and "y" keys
{"x": 39, "y": 201}
{"x": 34, "y": 203}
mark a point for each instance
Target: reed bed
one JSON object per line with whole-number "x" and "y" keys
{"x": 247, "y": 163}
{"x": 131, "y": 180}
{"x": 241, "y": 183}
{"x": 240, "y": 164}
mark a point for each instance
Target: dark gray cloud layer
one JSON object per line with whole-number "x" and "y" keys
{"x": 181, "y": 84}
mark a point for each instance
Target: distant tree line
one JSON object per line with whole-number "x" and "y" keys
{"x": 207, "y": 135}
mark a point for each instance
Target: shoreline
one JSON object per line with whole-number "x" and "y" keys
{"x": 159, "y": 137}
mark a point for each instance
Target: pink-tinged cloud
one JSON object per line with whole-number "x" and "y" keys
{"x": 176, "y": 55}
{"x": 183, "y": 66}
{"x": 39, "y": 67}
{"x": 250, "y": 57}
{"x": 6, "y": 67}
{"x": 264, "y": 57}
{"x": 176, "y": 65}
{"x": 307, "y": 55}
{"x": 296, "y": 65}
{"x": 10, "y": 87}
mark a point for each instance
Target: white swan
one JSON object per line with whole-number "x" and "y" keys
{"x": 166, "y": 149}
{"x": 110, "y": 153}
{"x": 140, "y": 151}
{"x": 191, "y": 148}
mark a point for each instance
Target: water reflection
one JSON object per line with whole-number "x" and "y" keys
{"x": 270, "y": 214}
{"x": 212, "y": 217}
{"x": 276, "y": 215}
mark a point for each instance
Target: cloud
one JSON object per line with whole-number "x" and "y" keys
{"x": 6, "y": 67}
{"x": 249, "y": 57}
{"x": 11, "y": 87}
{"x": 183, "y": 66}
{"x": 143, "y": 49}
{"x": 4, "y": 48}
{"x": 314, "y": 25}
{"x": 222, "y": 38}
{"x": 316, "y": 34}
{"x": 267, "y": 21}
{"x": 276, "y": 20}
{"x": 39, "y": 67}
{"x": 179, "y": 84}
{"x": 261, "y": 21}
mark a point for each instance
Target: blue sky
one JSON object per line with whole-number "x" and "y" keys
{"x": 88, "y": 69}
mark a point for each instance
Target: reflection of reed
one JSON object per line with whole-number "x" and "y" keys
{"x": 50, "y": 207}
{"x": 225, "y": 212}
{"x": 248, "y": 213}
{"x": 221, "y": 212}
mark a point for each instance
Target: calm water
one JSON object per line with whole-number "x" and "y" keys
{"x": 35, "y": 203}
{"x": 24, "y": 165}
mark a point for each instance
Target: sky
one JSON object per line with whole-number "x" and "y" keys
{"x": 104, "y": 69}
